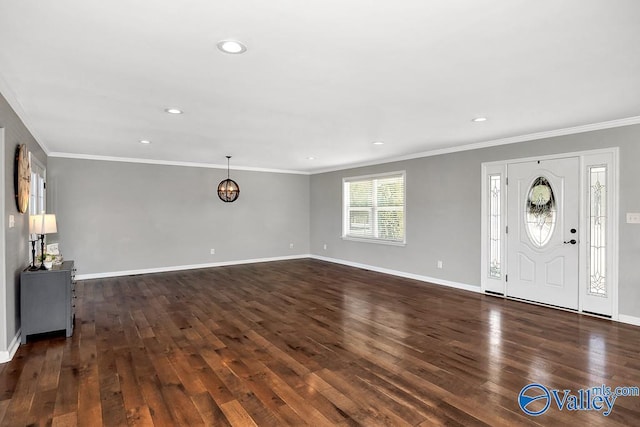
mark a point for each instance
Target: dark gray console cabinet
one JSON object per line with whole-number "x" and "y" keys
{"x": 47, "y": 300}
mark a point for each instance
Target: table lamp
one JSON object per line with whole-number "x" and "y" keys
{"x": 41, "y": 225}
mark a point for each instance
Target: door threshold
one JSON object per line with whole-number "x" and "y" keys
{"x": 556, "y": 307}
{"x": 543, "y": 304}
{"x": 494, "y": 293}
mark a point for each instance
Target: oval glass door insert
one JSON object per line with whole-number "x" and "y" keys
{"x": 540, "y": 212}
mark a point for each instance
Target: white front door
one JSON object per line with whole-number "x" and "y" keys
{"x": 543, "y": 214}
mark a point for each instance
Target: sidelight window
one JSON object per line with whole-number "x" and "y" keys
{"x": 495, "y": 230}
{"x": 597, "y": 230}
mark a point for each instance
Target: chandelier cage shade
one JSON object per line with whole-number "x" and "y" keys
{"x": 228, "y": 189}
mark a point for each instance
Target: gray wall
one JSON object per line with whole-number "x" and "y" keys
{"x": 115, "y": 216}
{"x": 17, "y": 250}
{"x": 443, "y": 210}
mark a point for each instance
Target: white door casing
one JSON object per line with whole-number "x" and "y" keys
{"x": 594, "y": 296}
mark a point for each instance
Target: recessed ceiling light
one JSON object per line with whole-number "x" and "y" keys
{"x": 311, "y": 158}
{"x": 231, "y": 46}
{"x": 173, "y": 111}
{"x": 145, "y": 141}
{"x": 378, "y": 143}
{"x": 479, "y": 119}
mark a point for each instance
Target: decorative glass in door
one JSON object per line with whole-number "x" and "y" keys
{"x": 540, "y": 212}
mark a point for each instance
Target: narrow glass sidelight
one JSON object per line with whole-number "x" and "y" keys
{"x": 495, "y": 230}
{"x": 540, "y": 212}
{"x": 597, "y": 230}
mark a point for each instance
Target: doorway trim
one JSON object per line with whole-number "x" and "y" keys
{"x": 5, "y": 354}
{"x": 492, "y": 285}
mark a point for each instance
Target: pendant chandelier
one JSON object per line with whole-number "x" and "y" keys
{"x": 228, "y": 189}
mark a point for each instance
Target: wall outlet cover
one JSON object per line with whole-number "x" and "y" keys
{"x": 633, "y": 217}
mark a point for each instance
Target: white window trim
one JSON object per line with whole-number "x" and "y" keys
{"x": 345, "y": 209}
{"x": 37, "y": 165}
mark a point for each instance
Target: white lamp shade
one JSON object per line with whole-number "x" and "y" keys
{"x": 40, "y": 225}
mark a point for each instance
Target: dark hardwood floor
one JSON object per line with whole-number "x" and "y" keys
{"x": 308, "y": 342}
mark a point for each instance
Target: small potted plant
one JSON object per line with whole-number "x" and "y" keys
{"x": 46, "y": 260}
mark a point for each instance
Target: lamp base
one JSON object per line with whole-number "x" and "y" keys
{"x": 42, "y": 267}
{"x": 33, "y": 267}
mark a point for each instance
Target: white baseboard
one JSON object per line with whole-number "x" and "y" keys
{"x": 6, "y": 356}
{"x": 185, "y": 267}
{"x": 404, "y": 274}
{"x": 632, "y": 320}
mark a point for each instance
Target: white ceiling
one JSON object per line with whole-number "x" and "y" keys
{"x": 320, "y": 78}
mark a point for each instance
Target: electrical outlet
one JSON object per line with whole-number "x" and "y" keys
{"x": 439, "y": 264}
{"x": 633, "y": 218}
{"x": 325, "y": 247}
{"x": 12, "y": 221}
{"x": 290, "y": 245}
{"x": 213, "y": 251}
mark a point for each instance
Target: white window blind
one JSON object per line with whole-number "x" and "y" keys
{"x": 374, "y": 207}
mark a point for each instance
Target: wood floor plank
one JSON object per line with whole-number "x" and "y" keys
{"x": 4, "y": 404}
{"x": 67, "y": 420}
{"x": 19, "y": 407}
{"x": 42, "y": 407}
{"x": 131, "y": 394}
{"x": 305, "y": 342}
{"x": 50, "y": 374}
{"x": 236, "y": 414}
{"x": 139, "y": 416}
{"x": 209, "y": 411}
{"x": 67, "y": 396}
{"x": 89, "y": 402}
{"x": 150, "y": 389}
{"x": 182, "y": 408}
{"x": 348, "y": 409}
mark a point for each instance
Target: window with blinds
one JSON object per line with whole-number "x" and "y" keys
{"x": 374, "y": 207}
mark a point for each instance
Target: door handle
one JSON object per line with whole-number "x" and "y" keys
{"x": 572, "y": 241}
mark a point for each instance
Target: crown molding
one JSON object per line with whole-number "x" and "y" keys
{"x": 170, "y": 163}
{"x": 467, "y": 147}
{"x": 492, "y": 143}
